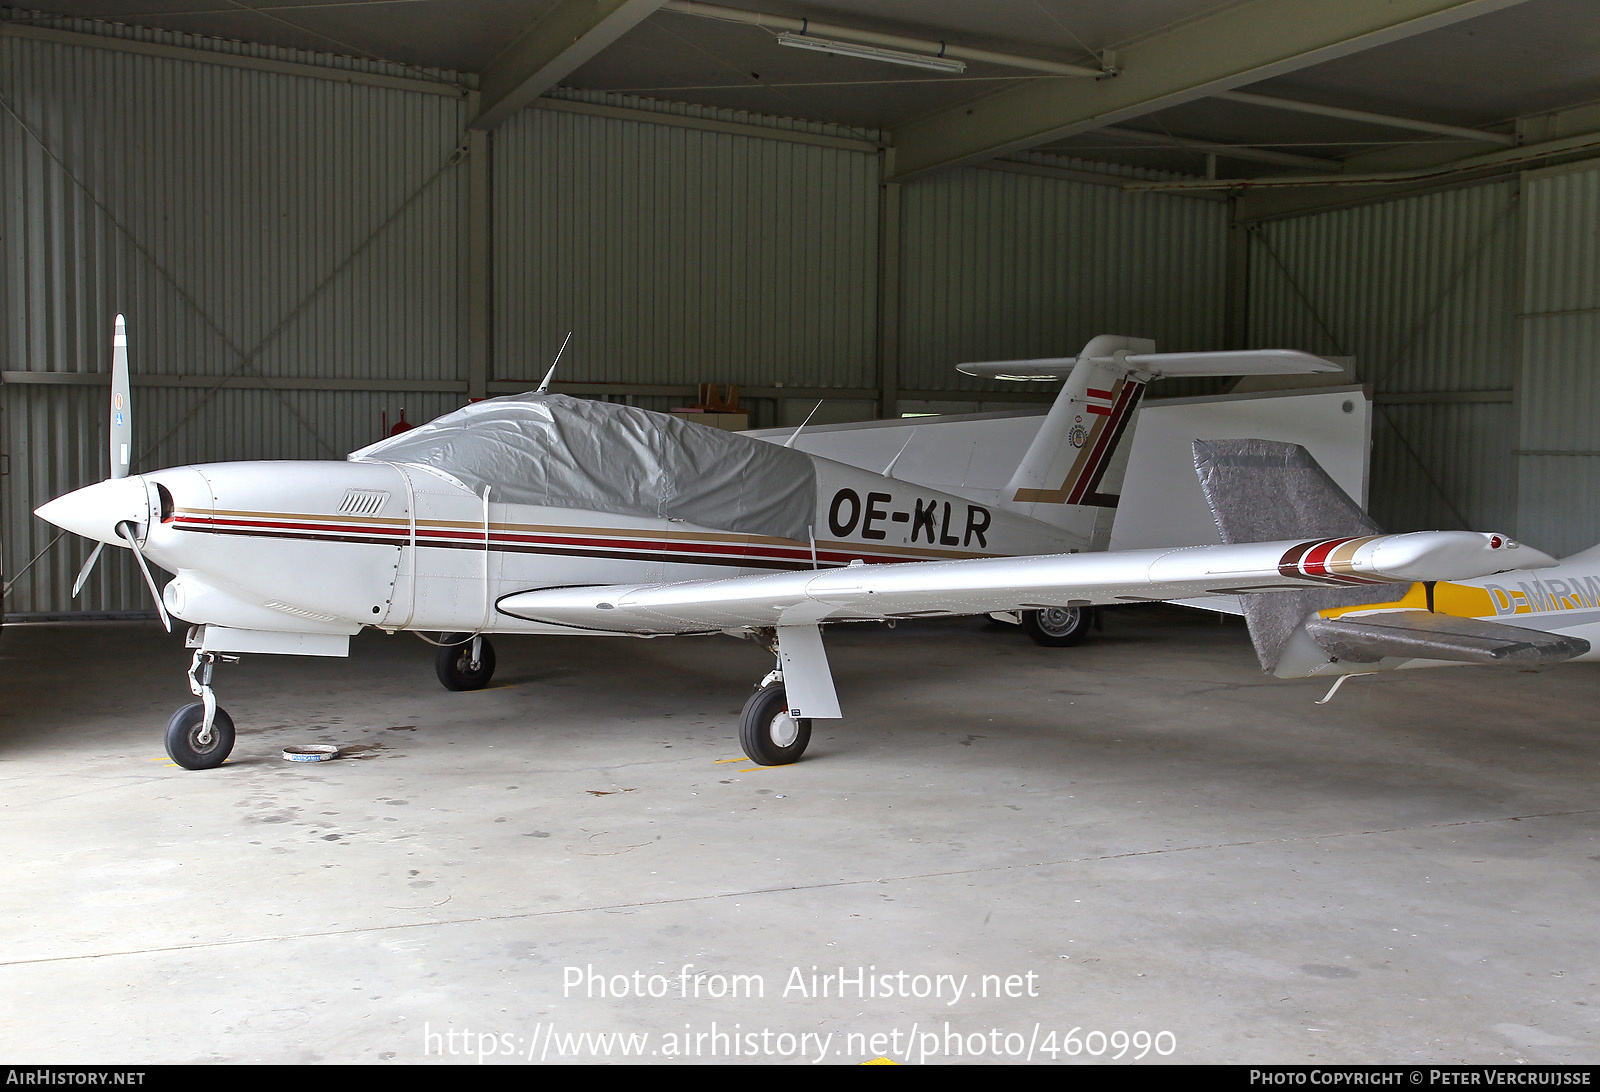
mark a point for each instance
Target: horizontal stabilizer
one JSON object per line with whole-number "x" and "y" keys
{"x": 1150, "y": 366}
{"x": 1044, "y": 370}
{"x": 1421, "y": 635}
{"x": 1242, "y": 362}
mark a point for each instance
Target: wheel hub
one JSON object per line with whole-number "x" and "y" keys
{"x": 784, "y": 730}
{"x": 1058, "y": 620}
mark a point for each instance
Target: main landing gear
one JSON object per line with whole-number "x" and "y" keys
{"x": 200, "y": 735}
{"x": 1058, "y": 627}
{"x": 464, "y": 663}
{"x": 769, "y": 734}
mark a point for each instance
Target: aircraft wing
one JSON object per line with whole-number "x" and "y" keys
{"x": 1423, "y": 635}
{"x": 860, "y": 592}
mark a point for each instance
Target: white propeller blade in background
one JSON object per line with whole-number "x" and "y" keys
{"x": 121, "y": 438}
{"x": 119, "y": 441}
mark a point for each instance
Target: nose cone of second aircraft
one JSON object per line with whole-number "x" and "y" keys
{"x": 95, "y": 510}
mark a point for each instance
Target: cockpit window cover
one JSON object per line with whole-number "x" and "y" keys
{"x": 551, "y": 449}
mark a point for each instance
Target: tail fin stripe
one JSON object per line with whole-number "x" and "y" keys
{"x": 1110, "y": 429}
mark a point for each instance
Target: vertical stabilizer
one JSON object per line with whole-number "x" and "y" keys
{"x": 1265, "y": 491}
{"x": 1075, "y": 445}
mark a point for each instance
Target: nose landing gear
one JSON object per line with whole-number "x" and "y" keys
{"x": 200, "y": 735}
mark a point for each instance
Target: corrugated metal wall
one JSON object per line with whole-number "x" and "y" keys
{"x": 1559, "y": 464}
{"x": 1000, "y": 265}
{"x": 268, "y": 224}
{"x": 1421, "y": 291}
{"x": 679, "y": 255}
{"x": 248, "y": 222}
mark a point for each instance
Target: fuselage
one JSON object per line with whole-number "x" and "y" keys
{"x": 330, "y": 547}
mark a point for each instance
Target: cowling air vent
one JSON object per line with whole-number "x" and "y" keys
{"x": 363, "y": 502}
{"x": 300, "y": 612}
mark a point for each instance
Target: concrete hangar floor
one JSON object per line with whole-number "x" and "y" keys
{"x": 1139, "y": 847}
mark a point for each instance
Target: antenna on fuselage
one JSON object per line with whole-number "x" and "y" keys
{"x": 888, "y": 471}
{"x": 790, "y": 441}
{"x": 544, "y": 387}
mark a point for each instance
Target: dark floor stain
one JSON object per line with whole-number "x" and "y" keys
{"x": 1322, "y": 970}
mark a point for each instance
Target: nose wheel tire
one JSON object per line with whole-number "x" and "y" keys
{"x": 768, "y": 734}
{"x": 184, "y": 745}
{"x": 1057, "y": 627}
{"x": 457, "y": 669}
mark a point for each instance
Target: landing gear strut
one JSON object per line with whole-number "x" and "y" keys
{"x": 200, "y": 735}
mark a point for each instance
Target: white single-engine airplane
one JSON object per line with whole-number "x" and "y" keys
{"x": 540, "y": 513}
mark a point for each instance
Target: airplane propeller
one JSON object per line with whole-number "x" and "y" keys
{"x": 120, "y": 445}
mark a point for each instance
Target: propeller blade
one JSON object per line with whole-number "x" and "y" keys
{"x": 127, "y": 532}
{"x": 88, "y": 567}
{"x": 121, "y": 410}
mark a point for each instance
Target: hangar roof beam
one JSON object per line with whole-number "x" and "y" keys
{"x": 1235, "y": 47}
{"x": 1296, "y": 106}
{"x": 569, "y": 34}
{"x": 929, "y": 46}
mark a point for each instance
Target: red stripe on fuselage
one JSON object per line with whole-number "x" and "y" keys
{"x": 754, "y": 555}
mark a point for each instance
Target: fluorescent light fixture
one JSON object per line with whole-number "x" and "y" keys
{"x": 872, "y": 53}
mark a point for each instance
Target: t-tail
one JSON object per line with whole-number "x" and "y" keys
{"x": 1261, "y": 490}
{"x": 1074, "y": 447}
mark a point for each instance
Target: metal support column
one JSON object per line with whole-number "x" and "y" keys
{"x": 480, "y": 262}
{"x": 1236, "y": 282}
{"x": 888, "y": 286}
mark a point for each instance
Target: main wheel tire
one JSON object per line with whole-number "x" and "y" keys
{"x": 183, "y": 742}
{"x": 1058, "y": 627}
{"x": 455, "y": 667}
{"x": 768, "y": 734}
